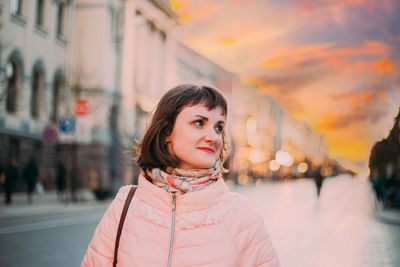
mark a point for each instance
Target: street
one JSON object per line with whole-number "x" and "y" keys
{"x": 339, "y": 229}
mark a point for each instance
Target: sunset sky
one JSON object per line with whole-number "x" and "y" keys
{"x": 332, "y": 63}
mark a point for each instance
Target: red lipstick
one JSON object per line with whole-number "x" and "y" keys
{"x": 207, "y": 150}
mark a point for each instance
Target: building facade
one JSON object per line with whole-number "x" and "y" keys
{"x": 80, "y": 78}
{"x": 95, "y": 86}
{"x": 146, "y": 54}
{"x": 268, "y": 141}
{"x": 34, "y": 48}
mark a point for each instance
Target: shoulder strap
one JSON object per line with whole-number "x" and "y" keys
{"x": 121, "y": 222}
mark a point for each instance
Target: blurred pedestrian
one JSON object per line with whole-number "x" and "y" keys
{"x": 376, "y": 180}
{"x": 30, "y": 175}
{"x": 1, "y": 174}
{"x": 318, "y": 179}
{"x": 10, "y": 180}
{"x": 182, "y": 204}
{"x": 61, "y": 182}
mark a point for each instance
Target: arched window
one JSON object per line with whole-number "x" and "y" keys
{"x": 14, "y": 81}
{"x": 37, "y": 92}
{"x": 58, "y": 85}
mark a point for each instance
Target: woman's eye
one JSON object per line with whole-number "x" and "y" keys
{"x": 198, "y": 123}
{"x": 219, "y": 128}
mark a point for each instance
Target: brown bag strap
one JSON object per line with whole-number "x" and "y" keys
{"x": 121, "y": 222}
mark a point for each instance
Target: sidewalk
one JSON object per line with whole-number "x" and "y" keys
{"x": 48, "y": 203}
{"x": 388, "y": 215}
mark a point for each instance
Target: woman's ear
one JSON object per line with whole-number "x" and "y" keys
{"x": 167, "y": 137}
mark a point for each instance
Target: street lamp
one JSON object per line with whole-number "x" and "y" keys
{"x": 9, "y": 70}
{"x": 256, "y": 156}
{"x": 284, "y": 158}
{"x": 302, "y": 167}
{"x": 274, "y": 165}
{"x": 251, "y": 125}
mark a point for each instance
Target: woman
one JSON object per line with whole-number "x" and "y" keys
{"x": 182, "y": 213}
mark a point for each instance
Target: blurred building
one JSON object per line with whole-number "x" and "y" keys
{"x": 189, "y": 66}
{"x": 304, "y": 145}
{"x": 146, "y": 53}
{"x": 95, "y": 92}
{"x": 384, "y": 166}
{"x": 80, "y": 78}
{"x": 256, "y": 126}
{"x": 268, "y": 141}
{"x": 91, "y": 79}
{"x": 34, "y": 49}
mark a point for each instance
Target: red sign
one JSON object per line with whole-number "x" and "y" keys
{"x": 81, "y": 107}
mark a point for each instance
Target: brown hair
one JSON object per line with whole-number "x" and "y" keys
{"x": 152, "y": 149}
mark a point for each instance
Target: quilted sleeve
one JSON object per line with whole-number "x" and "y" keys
{"x": 101, "y": 248}
{"x": 251, "y": 240}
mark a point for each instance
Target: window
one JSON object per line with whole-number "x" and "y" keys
{"x": 13, "y": 148}
{"x": 60, "y": 19}
{"x": 163, "y": 36}
{"x": 39, "y": 12}
{"x": 37, "y": 150}
{"x": 152, "y": 26}
{"x": 57, "y": 89}
{"x": 37, "y": 90}
{"x": 11, "y": 96}
{"x": 16, "y": 7}
{"x": 115, "y": 16}
{"x": 13, "y": 81}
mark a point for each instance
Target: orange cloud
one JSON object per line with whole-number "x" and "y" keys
{"x": 351, "y": 148}
{"x": 364, "y": 97}
{"x": 270, "y": 63}
{"x": 190, "y": 11}
{"x": 385, "y": 65}
{"x": 364, "y": 113}
{"x": 368, "y": 48}
{"x": 337, "y": 58}
{"x": 383, "y": 95}
{"x": 176, "y": 5}
{"x": 228, "y": 41}
{"x": 306, "y": 6}
{"x": 367, "y": 96}
{"x": 329, "y": 122}
{"x": 356, "y": 2}
{"x": 310, "y": 5}
{"x": 355, "y": 99}
{"x": 314, "y": 48}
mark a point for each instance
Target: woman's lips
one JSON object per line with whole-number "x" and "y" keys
{"x": 207, "y": 150}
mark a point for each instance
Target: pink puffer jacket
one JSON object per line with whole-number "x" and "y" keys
{"x": 212, "y": 227}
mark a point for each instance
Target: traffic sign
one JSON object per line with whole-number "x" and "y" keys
{"x": 67, "y": 125}
{"x": 49, "y": 135}
{"x": 81, "y": 107}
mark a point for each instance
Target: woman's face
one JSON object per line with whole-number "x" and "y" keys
{"x": 196, "y": 138}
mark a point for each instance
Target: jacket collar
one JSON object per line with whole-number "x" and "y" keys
{"x": 202, "y": 199}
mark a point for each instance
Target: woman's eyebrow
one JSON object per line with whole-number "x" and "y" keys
{"x": 206, "y": 119}
{"x": 202, "y": 117}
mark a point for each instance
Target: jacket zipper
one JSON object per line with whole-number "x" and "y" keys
{"x": 172, "y": 229}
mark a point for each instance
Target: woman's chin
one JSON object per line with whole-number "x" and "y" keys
{"x": 197, "y": 165}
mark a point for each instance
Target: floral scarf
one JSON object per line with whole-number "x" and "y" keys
{"x": 182, "y": 181}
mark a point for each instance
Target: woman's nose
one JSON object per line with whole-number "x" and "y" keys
{"x": 210, "y": 135}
